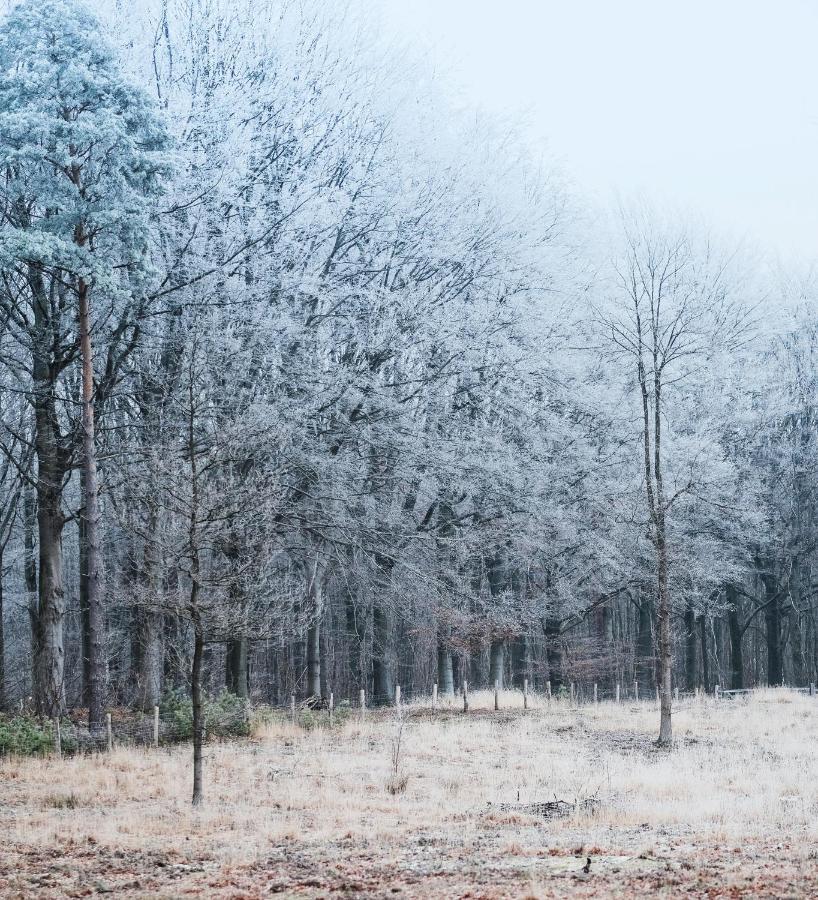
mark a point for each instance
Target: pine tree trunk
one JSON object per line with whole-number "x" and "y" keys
{"x": 49, "y": 662}
{"x": 85, "y": 617}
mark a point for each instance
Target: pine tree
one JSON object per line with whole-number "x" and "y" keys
{"x": 84, "y": 155}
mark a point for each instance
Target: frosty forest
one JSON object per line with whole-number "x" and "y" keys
{"x": 316, "y": 382}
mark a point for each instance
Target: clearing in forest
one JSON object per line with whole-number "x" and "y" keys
{"x": 464, "y": 807}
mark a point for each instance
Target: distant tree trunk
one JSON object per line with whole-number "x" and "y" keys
{"x": 445, "y": 670}
{"x": 314, "y": 660}
{"x": 198, "y": 717}
{"x": 734, "y": 627}
{"x": 381, "y": 671}
{"x": 645, "y": 663}
{"x": 705, "y": 656}
{"x": 519, "y": 660}
{"x": 97, "y": 667}
{"x": 690, "y": 648}
{"x": 497, "y": 664}
{"x": 354, "y": 640}
{"x": 553, "y": 650}
{"x": 315, "y": 604}
{"x": 150, "y": 625}
{"x": 236, "y": 668}
{"x": 150, "y": 634}
{"x": 794, "y": 621}
{"x": 30, "y": 577}
{"x": 772, "y": 618}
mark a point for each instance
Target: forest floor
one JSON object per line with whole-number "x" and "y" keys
{"x": 730, "y": 811}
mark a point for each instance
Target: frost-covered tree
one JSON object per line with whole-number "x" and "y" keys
{"x": 83, "y": 154}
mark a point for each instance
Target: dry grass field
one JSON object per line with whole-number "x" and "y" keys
{"x": 731, "y": 811}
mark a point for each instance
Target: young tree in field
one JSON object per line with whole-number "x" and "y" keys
{"x": 214, "y": 480}
{"x": 674, "y": 319}
{"x": 83, "y": 155}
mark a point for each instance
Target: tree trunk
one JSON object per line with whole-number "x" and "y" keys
{"x": 690, "y": 648}
{"x": 151, "y": 629}
{"x": 314, "y": 660}
{"x": 645, "y": 662}
{"x": 49, "y": 662}
{"x": 445, "y": 670}
{"x": 198, "y": 717}
{"x": 497, "y": 663}
{"x": 665, "y": 647}
{"x": 519, "y": 661}
{"x": 50, "y": 680}
{"x": 30, "y": 577}
{"x": 85, "y": 617}
{"x": 705, "y": 655}
{"x": 3, "y": 697}
{"x": 315, "y": 604}
{"x": 381, "y": 670}
{"x": 553, "y": 650}
{"x": 734, "y": 627}
{"x": 772, "y": 617}
{"x": 97, "y": 668}
{"x": 236, "y": 668}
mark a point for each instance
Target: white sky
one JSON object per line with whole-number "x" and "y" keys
{"x": 707, "y": 104}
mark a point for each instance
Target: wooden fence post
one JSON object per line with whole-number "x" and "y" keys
{"x": 812, "y": 689}
{"x": 548, "y": 690}
{"x": 676, "y": 694}
{"x": 496, "y": 695}
{"x": 156, "y": 726}
{"x": 636, "y": 690}
{"x": 397, "y": 697}
{"x": 465, "y": 696}
{"x": 110, "y": 732}
{"x": 596, "y": 695}
{"x": 525, "y": 693}
{"x": 572, "y": 692}
{"x": 617, "y": 692}
{"x": 292, "y": 708}
{"x": 362, "y": 703}
{"x": 434, "y": 696}
{"x": 331, "y": 707}
{"x": 718, "y": 690}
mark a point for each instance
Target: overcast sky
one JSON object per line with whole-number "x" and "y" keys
{"x": 708, "y": 104}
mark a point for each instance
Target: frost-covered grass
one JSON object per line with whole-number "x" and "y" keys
{"x": 742, "y": 774}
